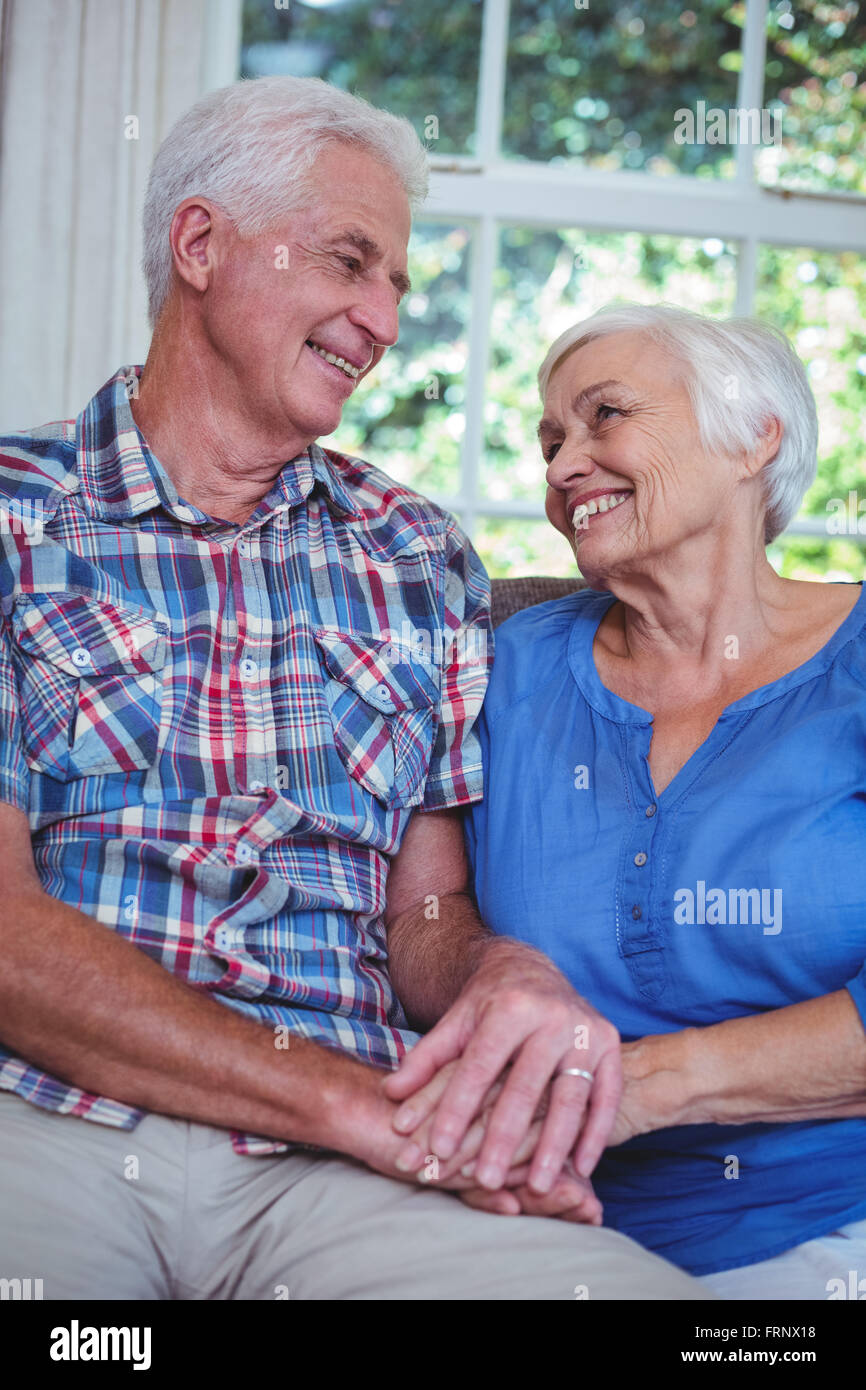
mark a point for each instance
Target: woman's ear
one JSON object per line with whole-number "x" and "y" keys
{"x": 766, "y": 447}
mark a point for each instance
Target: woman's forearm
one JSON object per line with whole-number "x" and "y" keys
{"x": 803, "y": 1062}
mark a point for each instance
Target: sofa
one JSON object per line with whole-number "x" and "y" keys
{"x": 510, "y": 595}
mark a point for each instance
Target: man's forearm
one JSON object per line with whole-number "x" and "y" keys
{"x": 434, "y": 948}
{"x": 94, "y": 1010}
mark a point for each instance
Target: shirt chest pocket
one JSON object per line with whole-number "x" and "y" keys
{"x": 90, "y": 677}
{"x": 383, "y": 707}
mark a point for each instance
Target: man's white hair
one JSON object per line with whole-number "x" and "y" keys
{"x": 739, "y": 373}
{"x": 250, "y": 148}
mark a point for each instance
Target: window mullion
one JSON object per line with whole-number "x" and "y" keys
{"x": 491, "y": 79}
{"x": 221, "y": 43}
{"x": 747, "y": 273}
{"x": 481, "y": 270}
{"x": 750, "y": 86}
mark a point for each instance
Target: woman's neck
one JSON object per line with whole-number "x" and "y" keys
{"x": 689, "y": 622}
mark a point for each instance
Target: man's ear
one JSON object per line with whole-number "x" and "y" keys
{"x": 192, "y": 237}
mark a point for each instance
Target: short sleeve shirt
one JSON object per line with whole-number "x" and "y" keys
{"x": 219, "y": 732}
{"x": 739, "y": 888}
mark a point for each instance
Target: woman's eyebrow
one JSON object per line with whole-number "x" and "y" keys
{"x": 584, "y": 397}
{"x": 590, "y": 393}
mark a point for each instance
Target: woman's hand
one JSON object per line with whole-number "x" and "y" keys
{"x": 418, "y": 1160}
{"x": 804, "y": 1061}
{"x": 570, "y": 1198}
{"x": 654, "y": 1084}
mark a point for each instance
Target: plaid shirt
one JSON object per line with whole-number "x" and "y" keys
{"x": 219, "y": 731}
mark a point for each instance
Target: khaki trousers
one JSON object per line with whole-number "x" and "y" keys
{"x": 170, "y": 1211}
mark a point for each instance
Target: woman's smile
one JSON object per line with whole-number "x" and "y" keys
{"x": 599, "y": 504}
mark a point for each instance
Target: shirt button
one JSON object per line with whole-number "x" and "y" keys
{"x": 185, "y": 513}
{"x": 243, "y": 853}
{"x": 650, "y": 811}
{"x": 81, "y": 657}
{"x": 248, "y": 669}
{"x": 640, "y": 859}
{"x": 243, "y": 547}
{"x": 257, "y": 786}
{"x": 636, "y": 913}
{"x": 383, "y": 692}
{"x": 221, "y": 938}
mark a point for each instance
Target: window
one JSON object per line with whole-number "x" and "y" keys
{"x": 566, "y": 175}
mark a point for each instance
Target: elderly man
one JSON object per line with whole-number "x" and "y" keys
{"x": 213, "y": 742}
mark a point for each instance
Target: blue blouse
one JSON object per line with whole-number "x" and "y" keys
{"x": 740, "y": 888}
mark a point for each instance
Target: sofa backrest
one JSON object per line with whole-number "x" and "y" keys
{"x": 510, "y": 595}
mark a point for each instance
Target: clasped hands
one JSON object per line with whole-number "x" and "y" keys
{"x": 486, "y": 1102}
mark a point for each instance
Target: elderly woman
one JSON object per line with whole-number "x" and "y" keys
{"x": 675, "y": 799}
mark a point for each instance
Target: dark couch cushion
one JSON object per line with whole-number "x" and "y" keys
{"x": 510, "y": 595}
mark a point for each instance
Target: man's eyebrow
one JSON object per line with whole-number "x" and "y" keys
{"x": 584, "y": 397}
{"x": 368, "y": 247}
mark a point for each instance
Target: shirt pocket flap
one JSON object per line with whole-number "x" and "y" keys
{"x": 387, "y": 677}
{"x": 83, "y": 635}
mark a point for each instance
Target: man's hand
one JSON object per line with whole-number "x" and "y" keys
{"x": 571, "y": 1198}
{"x": 516, "y": 1008}
{"x": 368, "y": 1134}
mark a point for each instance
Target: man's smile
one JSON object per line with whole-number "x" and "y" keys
{"x": 347, "y": 368}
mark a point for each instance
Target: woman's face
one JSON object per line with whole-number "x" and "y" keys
{"x": 628, "y": 478}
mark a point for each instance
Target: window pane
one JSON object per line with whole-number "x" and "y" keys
{"x": 546, "y": 281}
{"x": 802, "y": 557}
{"x": 818, "y": 298}
{"x": 600, "y": 85}
{"x": 407, "y": 416}
{"x": 511, "y": 547}
{"x": 388, "y": 51}
{"x": 816, "y": 55}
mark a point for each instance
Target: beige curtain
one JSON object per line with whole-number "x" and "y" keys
{"x": 88, "y": 88}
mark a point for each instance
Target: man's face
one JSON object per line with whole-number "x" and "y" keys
{"x": 327, "y": 280}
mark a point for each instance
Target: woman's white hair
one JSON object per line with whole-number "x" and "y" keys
{"x": 250, "y": 148}
{"x": 739, "y": 373}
